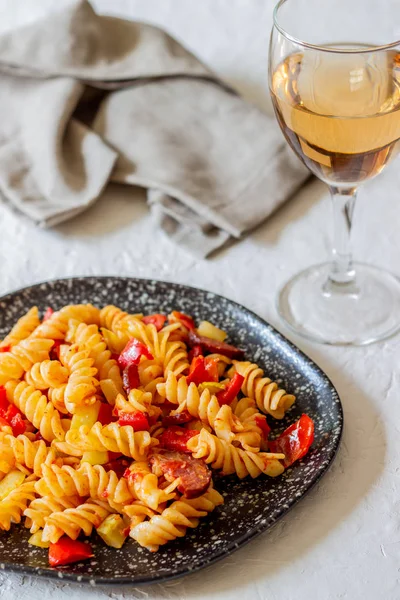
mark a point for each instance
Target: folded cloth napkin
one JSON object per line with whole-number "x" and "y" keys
{"x": 88, "y": 99}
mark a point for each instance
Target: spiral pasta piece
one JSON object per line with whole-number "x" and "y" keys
{"x": 269, "y": 397}
{"x": 89, "y": 338}
{"x": 229, "y": 459}
{"x": 87, "y": 480}
{"x": 57, "y": 398}
{"x": 111, "y": 317}
{"x": 14, "y": 504}
{"x": 47, "y": 374}
{"x": 56, "y": 326}
{"x": 34, "y": 405}
{"x": 174, "y": 390}
{"x": 147, "y": 334}
{"x": 112, "y": 437}
{"x": 145, "y": 486}
{"x": 174, "y": 520}
{"x": 23, "y": 328}
{"x": 72, "y": 521}
{"x": 149, "y": 371}
{"x": 202, "y": 406}
{"x": 22, "y": 356}
{"x": 138, "y": 401}
{"x": 21, "y": 451}
{"x": 41, "y": 508}
{"x": 175, "y": 358}
{"x": 81, "y": 388}
{"x": 138, "y": 512}
{"x": 248, "y": 414}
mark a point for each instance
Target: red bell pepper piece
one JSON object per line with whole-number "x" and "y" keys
{"x": 295, "y": 441}
{"x": 5, "y": 348}
{"x": 10, "y": 414}
{"x": 55, "y": 350}
{"x": 130, "y": 378}
{"x": 157, "y": 320}
{"x": 178, "y": 419}
{"x": 137, "y": 420}
{"x": 211, "y": 365}
{"x": 48, "y": 313}
{"x": 195, "y": 351}
{"x": 105, "y": 415}
{"x": 18, "y": 424}
{"x": 202, "y": 370}
{"x": 227, "y": 396}
{"x": 209, "y": 345}
{"x": 261, "y": 422}
{"x": 67, "y": 551}
{"x": 176, "y": 438}
{"x": 183, "y": 319}
{"x": 4, "y": 403}
{"x": 197, "y": 372}
{"x": 132, "y": 353}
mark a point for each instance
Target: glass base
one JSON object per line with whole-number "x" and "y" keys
{"x": 357, "y": 313}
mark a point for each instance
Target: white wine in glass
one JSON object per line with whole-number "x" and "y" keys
{"x": 338, "y": 105}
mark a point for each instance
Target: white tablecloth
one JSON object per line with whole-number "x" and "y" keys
{"x": 343, "y": 540}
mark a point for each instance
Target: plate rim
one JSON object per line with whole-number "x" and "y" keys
{"x": 57, "y": 574}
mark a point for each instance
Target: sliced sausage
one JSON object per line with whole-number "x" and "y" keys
{"x": 194, "y": 474}
{"x": 214, "y": 346}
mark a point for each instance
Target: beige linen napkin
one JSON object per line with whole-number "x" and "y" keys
{"x": 87, "y": 99}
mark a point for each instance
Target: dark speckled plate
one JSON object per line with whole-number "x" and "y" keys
{"x": 251, "y": 506}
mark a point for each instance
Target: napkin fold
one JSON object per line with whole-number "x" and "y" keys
{"x": 88, "y": 99}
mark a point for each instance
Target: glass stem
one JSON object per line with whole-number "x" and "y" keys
{"x": 343, "y": 201}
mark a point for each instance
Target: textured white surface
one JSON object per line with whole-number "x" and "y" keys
{"x": 343, "y": 540}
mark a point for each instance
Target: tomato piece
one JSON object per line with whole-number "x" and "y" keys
{"x": 176, "y": 438}
{"x": 67, "y": 551}
{"x": 213, "y": 346}
{"x": 114, "y": 356}
{"x": 130, "y": 378}
{"x": 132, "y": 353}
{"x": 183, "y": 319}
{"x": 261, "y": 422}
{"x": 178, "y": 419}
{"x": 49, "y": 312}
{"x": 228, "y": 395}
{"x": 295, "y": 441}
{"x": 18, "y": 424}
{"x": 5, "y": 348}
{"x": 105, "y": 415}
{"x": 137, "y": 420}
{"x": 157, "y": 320}
{"x": 11, "y": 412}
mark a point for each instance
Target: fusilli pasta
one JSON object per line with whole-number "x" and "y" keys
{"x": 87, "y": 444}
{"x": 22, "y": 329}
{"x": 174, "y": 520}
{"x": 269, "y": 397}
{"x": 229, "y": 459}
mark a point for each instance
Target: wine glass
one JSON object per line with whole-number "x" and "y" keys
{"x": 334, "y": 76}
